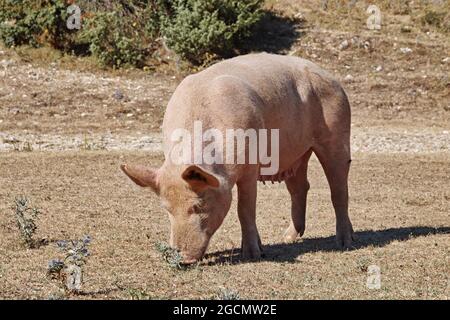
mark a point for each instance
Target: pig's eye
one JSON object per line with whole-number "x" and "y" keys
{"x": 195, "y": 209}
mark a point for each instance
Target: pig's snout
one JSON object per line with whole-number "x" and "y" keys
{"x": 190, "y": 245}
{"x": 188, "y": 260}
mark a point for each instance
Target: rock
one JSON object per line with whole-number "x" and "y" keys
{"x": 446, "y": 60}
{"x": 118, "y": 95}
{"x": 406, "y": 50}
{"x": 406, "y": 29}
{"x": 349, "y": 78}
{"x": 379, "y": 69}
{"x": 344, "y": 45}
{"x": 14, "y": 111}
{"x": 300, "y": 17}
{"x": 6, "y": 63}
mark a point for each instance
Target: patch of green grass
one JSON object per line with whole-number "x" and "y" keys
{"x": 138, "y": 294}
{"x": 362, "y": 264}
{"x": 69, "y": 272}
{"x": 88, "y": 145}
{"x": 170, "y": 255}
{"x": 437, "y": 19}
{"x": 227, "y": 294}
{"x": 26, "y": 220}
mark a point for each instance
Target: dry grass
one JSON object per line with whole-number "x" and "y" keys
{"x": 351, "y": 15}
{"x": 414, "y": 86}
{"x": 399, "y": 208}
{"x": 400, "y": 203}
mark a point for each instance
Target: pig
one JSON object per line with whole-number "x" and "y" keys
{"x": 311, "y": 112}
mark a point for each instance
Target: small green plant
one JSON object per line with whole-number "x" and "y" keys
{"x": 22, "y": 147}
{"x": 56, "y": 296}
{"x": 138, "y": 294}
{"x": 437, "y": 16}
{"x": 170, "y": 255}
{"x": 88, "y": 145}
{"x": 27, "y": 147}
{"x": 227, "y": 294}
{"x": 362, "y": 264}
{"x": 18, "y": 145}
{"x": 69, "y": 271}
{"x": 433, "y": 18}
{"x": 26, "y": 220}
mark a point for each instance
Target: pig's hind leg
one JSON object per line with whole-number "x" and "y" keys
{"x": 334, "y": 155}
{"x": 298, "y": 187}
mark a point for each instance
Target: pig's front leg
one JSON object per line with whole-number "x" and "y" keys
{"x": 251, "y": 242}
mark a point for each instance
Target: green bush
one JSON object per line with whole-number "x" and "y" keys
{"x": 437, "y": 19}
{"x": 115, "y": 32}
{"x": 111, "y": 40}
{"x": 433, "y": 18}
{"x": 124, "y": 32}
{"x": 34, "y": 23}
{"x": 200, "y": 27}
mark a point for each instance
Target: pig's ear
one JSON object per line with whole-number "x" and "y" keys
{"x": 142, "y": 176}
{"x": 199, "y": 179}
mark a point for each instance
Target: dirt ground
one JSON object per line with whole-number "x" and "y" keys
{"x": 66, "y": 126}
{"x": 400, "y": 210}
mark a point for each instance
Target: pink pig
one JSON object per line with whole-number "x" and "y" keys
{"x": 257, "y": 91}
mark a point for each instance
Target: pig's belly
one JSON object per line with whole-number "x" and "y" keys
{"x": 290, "y": 161}
{"x": 283, "y": 173}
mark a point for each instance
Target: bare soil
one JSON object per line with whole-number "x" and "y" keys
{"x": 399, "y": 206}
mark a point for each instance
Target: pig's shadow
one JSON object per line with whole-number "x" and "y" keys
{"x": 290, "y": 252}
{"x": 274, "y": 33}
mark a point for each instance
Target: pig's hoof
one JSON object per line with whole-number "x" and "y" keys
{"x": 291, "y": 234}
{"x": 251, "y": 253}
{"x": 345, "y": 239}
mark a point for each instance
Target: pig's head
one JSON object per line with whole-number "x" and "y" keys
{"x": 197, "y": 202}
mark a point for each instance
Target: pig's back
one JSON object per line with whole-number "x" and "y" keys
{"x": 289, "y": 94}
{"x": 282, "y": 82}
{"x": 286, "y": 89}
